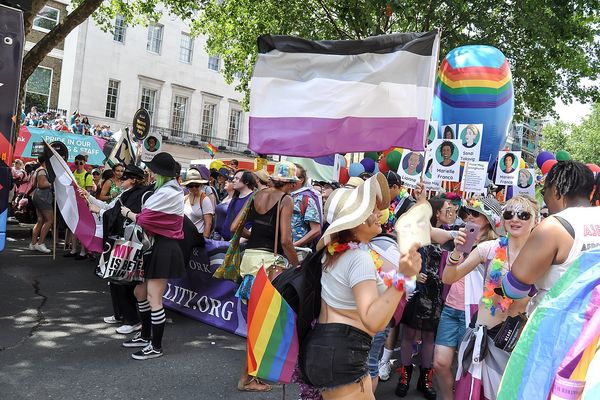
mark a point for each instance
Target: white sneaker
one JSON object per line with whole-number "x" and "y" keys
{"x": 127, "y": 329}
{"x": 31, "y": 246}
{"x": 42, "y": 248}
{"x": 385, "y": 368}
{"x": 111, "y": 320}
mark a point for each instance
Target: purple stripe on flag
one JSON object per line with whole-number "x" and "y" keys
{"x": 314, "y": 137}
{"x": 160, "y": 223}
{"x": 85, "y": 230}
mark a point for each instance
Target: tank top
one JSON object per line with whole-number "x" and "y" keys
{"x": 586, "y": 225}
{"x": 263, "y": 230}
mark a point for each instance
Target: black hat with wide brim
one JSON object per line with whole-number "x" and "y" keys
{"x": 133, "y": 171}
{"x": 164, "y": 164}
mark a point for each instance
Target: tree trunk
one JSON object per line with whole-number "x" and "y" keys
{"x": 28, "y": 16}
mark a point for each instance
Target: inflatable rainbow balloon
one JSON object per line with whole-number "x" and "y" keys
{"x": 474, "y": 86}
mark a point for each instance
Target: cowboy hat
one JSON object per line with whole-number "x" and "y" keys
{"x": 164, "y": 164}
{"x": 193, "y": 176}
{"x": 347, "y": 208}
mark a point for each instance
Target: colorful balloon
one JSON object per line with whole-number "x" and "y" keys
{"x": 373, "y": 155}
{"x": 356, "y": 169}
{"x": 383, "y": 168}
{"x": 522, "y": 164}
{"x": 593, "y": 167}
{"x": 369, "y": 164}
{"x": 546, "y": 166}
{"x": 543, "y": 157}
{"x": 344, "y": 176}
{"x": 563, "y": 155}
{"x": 393, "y": 160}
{"x": 474, "y": 86}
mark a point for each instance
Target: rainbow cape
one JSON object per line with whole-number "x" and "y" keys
{"x": 556, "y": 356}
{"x": 211, "y": 149}
{"x": 272, "y": 337}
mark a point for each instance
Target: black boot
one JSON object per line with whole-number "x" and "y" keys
{"x": 405, "y": 373}
{"x": 425, "y": 384}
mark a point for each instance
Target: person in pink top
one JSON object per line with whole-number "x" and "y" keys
{"x": 484, "y": 212}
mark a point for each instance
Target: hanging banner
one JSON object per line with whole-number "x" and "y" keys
{"x": 151, "y": 147}
{"x": 474, "y": 177}
{"x": 470, "y": 137}
{"x": 507, "y": 169}
{"x": 525, "y": 183}
{"x": 446, "y": 160}
{"x": 30, "y": 144}
{"x": 410, "y": 168}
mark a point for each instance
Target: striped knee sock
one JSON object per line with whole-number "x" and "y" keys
{"x": 159, "y": 319}
{"x": 144, "y": 310}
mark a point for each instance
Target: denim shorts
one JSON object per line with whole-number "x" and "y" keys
{"x": 334, "y": 355}
{"x": 451, "y": 328}
{"x": 375, "y": 352}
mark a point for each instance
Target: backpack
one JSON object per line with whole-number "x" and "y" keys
{"x": 301, "y": 289}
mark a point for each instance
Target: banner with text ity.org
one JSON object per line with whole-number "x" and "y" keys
{"x": 204, "y": 298}
{"x": 315, "y": 98}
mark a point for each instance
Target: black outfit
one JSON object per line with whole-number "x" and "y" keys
{"x": 424, "y": 307}
{"x": 165, "y": 259}
{"x": 333, "y": 355}
{"x": 263, "y": 229}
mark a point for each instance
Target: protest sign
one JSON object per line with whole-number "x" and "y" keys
{"x": 525, "y": 183}
{"x": 446, "y": 156}
{"x": 410, "y": 168}
{"x": 430, "y": 183}
{"x": 448, "y": 132}
{"x": 507, "y": 169}
{"x": 432, "y": 132}
{"x": 151, "y": 147}
{"x": 470, "y": 137}
{"x": 474, "y": 177}
{"x": 141, "y": 124}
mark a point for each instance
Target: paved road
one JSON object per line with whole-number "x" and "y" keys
{"x": 54, "y": 345}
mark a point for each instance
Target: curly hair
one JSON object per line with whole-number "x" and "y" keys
{"x": 571, "y": 179}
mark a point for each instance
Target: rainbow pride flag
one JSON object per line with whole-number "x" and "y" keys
{"x": 272, "y": 337}
{"x": 211, "y": 150}
{"x": 553, "y": 356}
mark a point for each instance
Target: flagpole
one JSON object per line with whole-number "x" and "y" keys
{"x": 54, "y": 233}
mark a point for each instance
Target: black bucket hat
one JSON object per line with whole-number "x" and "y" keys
{"x": 164, "y": 164}
{"x": 133, "y": 172}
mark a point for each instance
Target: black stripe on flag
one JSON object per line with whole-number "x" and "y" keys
{"x": 420, "y": 43}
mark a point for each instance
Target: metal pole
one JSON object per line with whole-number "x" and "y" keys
{"x": 54, "y": 233}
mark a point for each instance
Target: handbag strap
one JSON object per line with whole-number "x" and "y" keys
{"x": 277, "y": 225}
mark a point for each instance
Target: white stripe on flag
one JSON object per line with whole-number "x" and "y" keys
{"x": 327, "y": 98}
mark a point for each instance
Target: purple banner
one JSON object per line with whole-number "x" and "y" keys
{"x": 204, "y": 298}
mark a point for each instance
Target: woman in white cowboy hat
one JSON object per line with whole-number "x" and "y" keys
{"x": 197, "y": 206}
{"x": 355, "y": 303}
{"x": 271, "y": 207}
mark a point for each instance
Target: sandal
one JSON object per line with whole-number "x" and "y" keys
{"x": 254, "y": 385}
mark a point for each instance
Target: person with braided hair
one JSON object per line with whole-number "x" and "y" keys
{"x": 572, "y": 227}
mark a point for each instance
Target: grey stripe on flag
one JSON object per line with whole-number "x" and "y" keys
{"x": 400, "y": 67}
{"x": 421, "y": 43}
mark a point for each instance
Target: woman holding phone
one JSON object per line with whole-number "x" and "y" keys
{"x": 484, "y": 212}
{"x": 519, "y": 217}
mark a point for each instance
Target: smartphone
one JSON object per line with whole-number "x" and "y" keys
{"x": 472, "y": 231}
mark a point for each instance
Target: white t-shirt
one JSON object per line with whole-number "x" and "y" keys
{"x": 196, "y": 212}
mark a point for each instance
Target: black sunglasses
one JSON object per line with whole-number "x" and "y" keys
{"x": 79, "y": 163}
{"x": 193, "y": 185}
{"x": 522, "y": 215}
{"x": 230, "y": 179}
{"x": 545, "y": 215}
{"x": 464, "y": 212}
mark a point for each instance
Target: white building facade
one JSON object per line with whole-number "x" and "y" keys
{"x": 109, "y": 76}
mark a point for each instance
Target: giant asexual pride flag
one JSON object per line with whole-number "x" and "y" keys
{"x": 314, "y": 98}
{"x": 86, "y": 226}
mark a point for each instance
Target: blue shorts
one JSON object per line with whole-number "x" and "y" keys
{"x": 451, "y": 328}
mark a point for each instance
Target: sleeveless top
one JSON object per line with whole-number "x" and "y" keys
{"x": 263, "y": 230}
{"x": 114, "y": 191}
{"x": 586, "y": 225}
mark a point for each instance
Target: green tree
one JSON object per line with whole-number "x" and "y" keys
{"x": 556, "y": 137}
{"x": 551, "y": 44}
{"x": 584, "y": 140}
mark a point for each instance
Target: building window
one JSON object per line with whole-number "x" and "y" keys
{"x": 208, "y": 121}
{"x": 38, "y": 89}
{"x": 112, "y": 97}
{"x": 178, "y": 114}
{"x": 148, "y": 101}
{"x": 120, "y": 27}
{"x": 213, "y": 63}
{"x": 155, "y": 36}
{"x": 235, "y": 119}
{"x": 186, "y": 48}
{"x": 46, "y": 19}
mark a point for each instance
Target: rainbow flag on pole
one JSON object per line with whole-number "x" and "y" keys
{"x": 556, "y": 356}
{"x": 211, "y": 150}
{"x": 272, "y": 337}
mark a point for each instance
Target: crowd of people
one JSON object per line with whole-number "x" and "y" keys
{"x": 488, "y": 265}
{"x": 53, "y": 120}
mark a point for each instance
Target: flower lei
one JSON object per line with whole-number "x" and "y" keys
{"x": 496, "y": 280}
{"x": 392, "y": 216}
{"x": 336, "y": 247}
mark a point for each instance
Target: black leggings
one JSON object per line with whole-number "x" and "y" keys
{"x": 124, "y": 303}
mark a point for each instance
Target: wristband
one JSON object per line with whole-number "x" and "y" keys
{"x": 513, "y": 288}
{"x": 127, "y": 214}
{"x": 398, "y": 281}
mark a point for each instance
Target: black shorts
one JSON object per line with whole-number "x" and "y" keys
{"x": 334, "y": 355}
